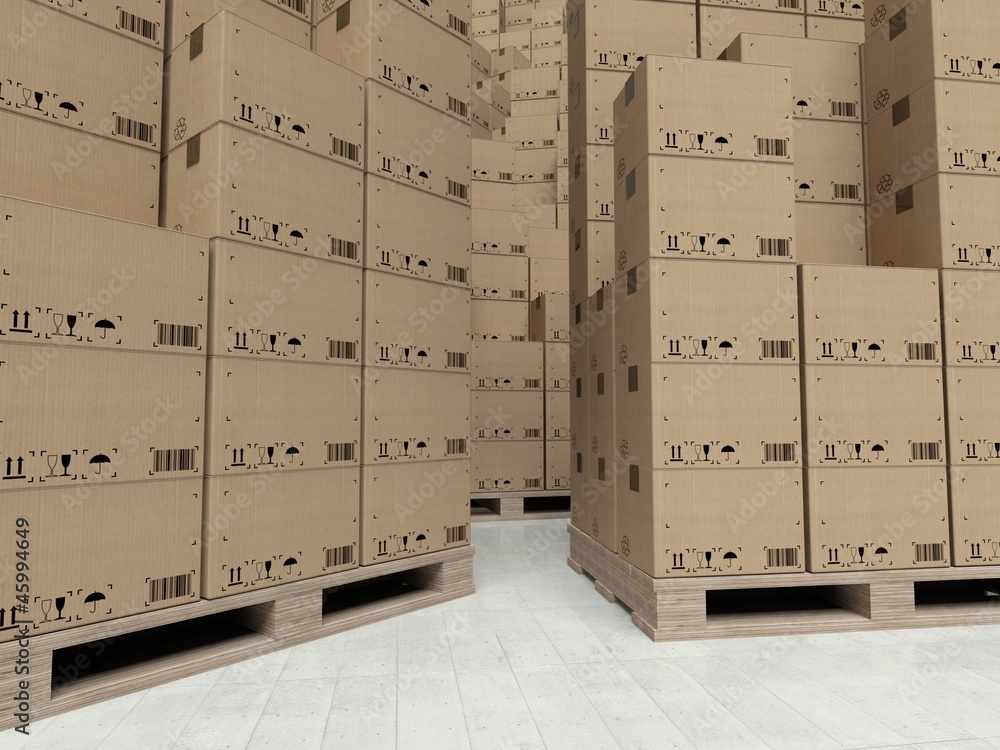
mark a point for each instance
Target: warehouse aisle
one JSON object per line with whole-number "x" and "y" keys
{"x": 538, "y": 660}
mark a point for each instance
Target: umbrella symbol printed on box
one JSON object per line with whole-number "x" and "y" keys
{"x": 288, "y": 564}
{"x": 99, "y": 460}
{"x": 104, "y": 326}
{"x": 729, "y": 557}
{"x": 299, "y": 131}
{"x": 291, "y": 453}
{"x": 294, "y": 343}
{"x": 726, "y": 347}
{"x": 93, "y": 599}
{"x": 728, "y": 451}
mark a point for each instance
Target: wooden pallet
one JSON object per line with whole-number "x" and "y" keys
{"x": 790, "y": 603}
{"x": 519, "y": 506}
{"x": 94, "y": 663}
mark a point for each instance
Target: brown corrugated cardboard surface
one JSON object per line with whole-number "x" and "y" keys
{"x": 971, "y": 304}
{"x": 269, "y": 416}
{"x": 831, "y": 233}
{"x": 667, "y": 310}
{"x": 269, "y": 529}
{"x": 107, "y": 275}
{"x": 718, "y": 27}
{"x": 557, "y": 420}
{"x": 749, "y": 206}
{"x": 448, "y": 14}
{"x": 499, "y": 320}
{"x": 415, "y": 325}
{"x": 499, "y": 277}
{"x": 503, "y": 232}
{"x": 975, "y": 516}
{"x": 870, "y": 316}
{"x": 74, "y": 417}
{"x": 114, "y": 551}
{"x": 782, "y": 6}
{"x": 382, "y": 40}
{"x": 835, "y": 29}
{"x": 592, "y": 258}
{"x": 605, "y": 367}
{"x": 548, "y": 318}
{"x": 246, "y": 76}
{"x": 547, "y": 276}
{"x": 581, "y": 499}
{"x": 667, "y": 415}
{"x": 829, "y": 162}
{"x": 119, "y": 96}
{"x": 508, "y": 466}
{"x": 415, "y": 234}
{"x": 592, "y": 182}
{"x": 138, "y": 20}
{"x": 592, "y": 95}
{"x": 885, "y": 416}
{"x": 828, "y": 9}
{"x": 973, "y": 415}
{"x": 557, "y": 465}
{"x": 599, "y": 496}
{"x": 879, "y": 14}
{"x": 221, "y": 185}
{"x": 750, "y": 521}
{"x": 277, "y": 16}
{"x": 413, "y": 510}
{"x": 492, "y": 161}
{"x": 48, "y": 163}
{"x": 557, "y": 366}
{"x": 413, "y": 416}
{"x": 508, "y": 366}
{"x": 313, "y": 309}
{"x": 508, "y": 415}
{"x": 898, "y": 517}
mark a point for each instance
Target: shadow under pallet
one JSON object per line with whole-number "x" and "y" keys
{"x": 683, "y": 609}
{"x": 520, "y": 506}
{"x": 82, "y": 666}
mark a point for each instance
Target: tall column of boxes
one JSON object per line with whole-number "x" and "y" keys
{"x": 932, "y": 142}
{"x": 829, "y": 151}
{"x": 415, "y": 448}
{"x": 256, "y": 122}
{"x": 64, "y": 127}
{"x": 706, "y": 388}
{"x": 549, "y": 324}
{"x": 876, "y": 477}
{"x": 971, "y": 319}
{"x": 102, "y": 363}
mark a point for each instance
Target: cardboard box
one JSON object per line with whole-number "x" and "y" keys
{"x": 833, "y": 9}
{"x": 604, "y": 364}
{"x": 221, "y": 185}
{"x": 829, "y": 162}
{"x": 503, "y": 232}
{"x": 383, "y": 41}
{"x": 50, "y": 164}
{"x": 414, "y": 509}
{"x": 507, "y": 58}
{"x": 116, "y": 551}
{"x": 592, "y": 258}
{"x": 549, "y": 242}
{"x": 534, "y": 83}
{"x": 547, "y": 276}
{"x": 72, "y": 418}
{"x": 826, "y": 75}
{"x": 266, "y": 416}
{"x": 702, "y": 416}
{"x": 499, "y": 277}
{"x": 533, "y": 132}
{"x": 120, "y": 98}
{"x": 411, "y": 143}
{"x": 705, "y": 208}
{"x": 276, "y": 528}
{"x": 414, "y": 416}
{"x": 719, "y": 26}
{"x": 667, "y": 310}
{"x": 605, "y": 36}
{"x": 884, "y": 416}
{"x": 535, "y": 164}
{"x": 663, "y": 110}
{"x": 781, "y": 6}
{"x": 870, "y": 316}
{"x": 498, "y": 320}
{"x": 453, "y": 15}
{"x": 592, "y": 182}
{"x": 592, "y": 95}
{"x": 878, "y": 15}
{"x": 835, "y": 29}
{"x": 744, "y": 522}
{"x": 973, "y": 415}
{"x": 508, "y": 466}
{"x": 536, "y": 198}
{"x": 493, "y": 161}
{"x": 558, "y": 465}
{"x": 312, "y": 309}
{"x": 508, "y": 415}
{"x": 244, "y": 75}
{"x": 508, "y": 366}
{"x": 971, "y": 318}
{"x": 557, "y": 366}
{"x": 415, "y": 234}
{"x": 75, "y": 279}
{"x": 289, "y": 19}
{"x": 598, "y": 494}
{"x": 831, "y": 233}
{"x": 557, "y": 419}
{"x": 580, "y": 389}
{"x": 139, "y": 20}
{"x": 974, "y": 516}
{"x": 580, "y": 500}
{"x": 876, "y": 519}
{"x": 415, "y": 325}
{"x": 497, "y": 196}
{"x": 943, "y": 221}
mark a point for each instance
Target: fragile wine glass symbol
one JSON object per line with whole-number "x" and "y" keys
{"x": 260, "y": 569}
{"x": 700, "y": 560}
{"x": 701, "y": 142}
{"x": 38, "y": 100}
{"x": 46, "y": 608}
{"x": 854, "y": 349}
{"x": 57, "y": 318}
{"x": 52, "y": 460}
{"x": 989, "y": 255}
{"x": 27, "y": 96}
{"x": 267, "y": 569}
{"x": 704, "y": 347}
{"x": 270, "y": 454}
{"x": 273, "y": 339}
{"x": 263, "y": 341}
{"x": 708, "y": 558}
{"x": 706, "y": 451}
{"x": 66, "y": 458}
{"x": 262, "y": 452}
{"x": 60, "y": 603}
{"x": 71, "y": 321}
{"x": 857, "y": 449}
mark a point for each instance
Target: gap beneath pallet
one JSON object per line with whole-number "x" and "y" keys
{"x": 514, "y": 506}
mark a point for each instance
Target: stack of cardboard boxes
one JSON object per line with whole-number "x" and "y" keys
{"x": 549, "y": 324}
{"x": 836, "y": 20}
{"x": 931, "y": 93}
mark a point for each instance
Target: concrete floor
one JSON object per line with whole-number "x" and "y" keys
{"x": 537, "y": 659}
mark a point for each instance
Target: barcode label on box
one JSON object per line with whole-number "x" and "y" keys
{"x": 343, "y": 350}
{"x": 779, "y": 453}
{"x": 844, "y": 109}
{"x": 519, "y": 294}
{"x": 518, "y": 338}
{"x": 458, "y": 274}
{"x": 846, "y": 192}
{"x": 928, "y": 552}
{"x": 777, "y": 349}
{"x": 533, "y": 484}
{"x": 340, "y": 452}
{"x": 135, "y": 130}
{"x": 136, "y": 25}
{"x": 457, "y": 447}
{"x": 458, "y": 360}
{"x": 168, "y": 334}
{"x": 772, "y": 147}
{"x": 343, "y": 248}
{"x": 346, "y": 150}
{"x": 925, "y": 451}
{"x": 458, "y": 190}
{"x": 337, "y": 556}
{"x": 782, "y": 557}
{"x": 458, "y": 25}
{"x": 771, "y": 247}
{"x": 178, "y": 459}
{"x": 532, "y": 434}
{"x": 532, "y": 384}
{"x": 921, "y": 352}
{"x": 171, "y": 587}
{"x": 791, "y": 4}
{"x": 519, "y": 249}
{"x": 457, "y": 106}
{"x": 456, "y": 534}
{"x": 506, "y": 177}
{"x": 299, "y": 6}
